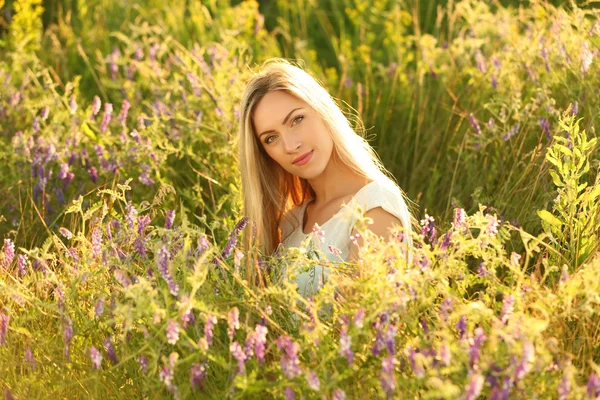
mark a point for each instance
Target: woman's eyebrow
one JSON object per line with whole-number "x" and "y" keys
{"x": 283, "y": 123}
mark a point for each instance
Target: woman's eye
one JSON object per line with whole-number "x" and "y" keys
{"x": 296, "y": 119}
{"x": 267, "y": 141}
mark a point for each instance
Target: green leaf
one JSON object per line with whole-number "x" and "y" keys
{"x": 88, "y": 131}
{"x": 556, "y": 179}
{"x": 549, "y": 218}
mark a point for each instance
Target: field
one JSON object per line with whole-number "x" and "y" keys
{"x": 122, "y": 273}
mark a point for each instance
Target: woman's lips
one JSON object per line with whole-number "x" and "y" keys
{"x": 303, "y": 159}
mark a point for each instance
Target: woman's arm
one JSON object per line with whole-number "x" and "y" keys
{"x": 383, "y": 222}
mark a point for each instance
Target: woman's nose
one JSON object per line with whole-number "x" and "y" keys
{"x": 290, "y": 141}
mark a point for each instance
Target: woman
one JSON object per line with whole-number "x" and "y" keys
{"x": 305, "y": 171}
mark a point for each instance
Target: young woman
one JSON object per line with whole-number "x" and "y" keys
{"x": 306, "y": 172}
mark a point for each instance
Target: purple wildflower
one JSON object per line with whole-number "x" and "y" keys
{"x": 492, "y": 228}
{"x": 575, "y": 108}
{"x": 260, "y": 342}
{"x": 480, "y": 59}
{"x": 9, "y": 252}
{"x": 172, "y": 331}
{"x": 233, "y": 322}
{"x": 428, "y": 230}
{"x": 108, "y": 109}
{"x": 445, "y": 354}
{"x": 507, "y": 308}
{"x": 170, "y": 218}
{"x": 163, "y": 268}
{"x": 166, "y": 375}
{"x": 390, "y": 339}
{"x": 110, "y": 350}
{"x": 387, "y": 378}
{"x": 4, "y": 320}
{"x": 203, "y": 245}
{"x": 445, "y": 308}
{"x": 96, "y": 242}
{"x": 564, "y": 387}
{"x": 494, "y": 81}
{"x": 231, "y": 242}
{"x": 586, "y": 57}
{"x": 545, "y": 125}
{"x": 474, "y": 387}
{"x": 475, "y": 346}
{"x": 345, "y": 341}
{"x": 564, "y": 275}
{"x": 96, "y": 103}
{"x": 209, "y": 326}
{"x": 239, "y": 355}
{"x": 515, "y": 258}
{"x": 68, "y": 335}
{"x": 143, "y": 362}
{"x": 593, "y": 386}
{"x": 197, "y": 376}
{"x": 460, "y": 219}
{"x": 544, "y": 54}
{"x": 482, "y": 270}
{"x": 313, "y": 380}
{"x": 512, "y": 132}
{"x": 99, "y": 309}
{"x": 29, "y": 359}
{"x": 72, "y": 104}
{"x": 359, "y": 318}
{"x": 289, "y": 360}
{"x": 461, "y": 326}
{"x": 68, "y": 180}
{"x": 339, "y": 394}
{"x": 123, "y": 114}
{"x": 474, "y": 124}
{"x": 96, "y": 357}
{"x": 44, "y": 113}
{"x": 320, "y": 234}
{"x": 526, "y": 361}
{"x": 416, "y": 366}
{"x": 289, "y": 393}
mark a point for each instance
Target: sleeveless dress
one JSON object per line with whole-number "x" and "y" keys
{"x": 333, "y": 237}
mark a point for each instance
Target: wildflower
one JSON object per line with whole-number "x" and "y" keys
{"x": 96, "y": 357}
{"x": 203, "y": 245}
{"x": 446, "y": 308}
{"x": 30, "y": 359}
{"x": 481, "y": 64}
{"x": 313, "y": 380}
{"x": 482, "y": 270}
{"x": 545, "y": 125}
{"x": 197, "y": 376}
{"x": 249, "y": 344}
{"x": 170, "y": 218}
{"x": 93, "y": 174}
{"x": 475, "y": 346}
{"x": 389, "y": 339}
{"x": 387, "y": 378}
{"x": 461, "y": 326}
{"x": 428, "y": 230}
{"x": 494, "y": 81}
{"x": 586, "y": 57}
{"x": 514, "y": 259}
{"x": 354, "y": 238}
{"x": 416, "y": 366}
{"x": 108, "y": 109}
{"x": 474, "y": 124}
{"x": 289, "y": 360}
{"x": 507, "y": 308}
{"x": 172, "y": 332}
{"x": 320, "y": 234}
{"x": 512, "y": 132}
{"x": 593, "y": 386}
{"x": 544, "y": 54}
{"x": 359, "y": 318}
{"x": 345, "y": 341}
{"x": 492, "y": 228}
{"x": 166, "y": 375}
{"x": 163, "y": 268}
{"x": 123, "y": 114}
{"x": 44, "y": 113}
{"x": 143, "y": 362}
{"x": 474, "y": 387}
{"x": 68, "y": 335}
{"x": 239, "y": 355}
{"x": 72, "y": 104}
{"x": 122, "y": 278}
{"x": 348, "y": 82}
{"x": 99, "y": 309}
{"x": 445, "y": 354}
{"x": 233, "y": 322}
{"x": 237, "y": 259}
{"x": 339, "y": 394}
{"x": 96, "y": 242}
{"x": 241, "y": 224}
{"x": 110, "y": 350}
{"x": 445, "y": 242}
{"x": 335, "y": 250}
{"x": 188, "y": 318}
{"x": 260, "y": 342}
{"x": 9, "y": 252}
{"x": 564, "y": 387}
{"x": 209, "y": 326}
{"x": 526, "y": 361}
{"x": 289, "y": 393}
{"x": 4, "y": 320}
{"x": 96, "y": 103}
{"x": 574, "y": 109}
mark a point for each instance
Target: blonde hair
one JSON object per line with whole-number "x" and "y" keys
{"x": 268, "y": 190}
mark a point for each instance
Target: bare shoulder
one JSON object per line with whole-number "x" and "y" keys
{"x": 382, "y": 223}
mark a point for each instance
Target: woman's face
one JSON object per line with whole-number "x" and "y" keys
{"x": 288, "y": 128}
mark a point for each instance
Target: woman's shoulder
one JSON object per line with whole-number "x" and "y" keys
{"x": 291, "y": 218}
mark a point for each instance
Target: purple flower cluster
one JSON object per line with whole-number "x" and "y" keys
{"x": 387, "y": 377}
{"x": 68, "y": 335}
{"x": 163, "y": 267}
{"x": 239, "y": 354}
{"x": 172, "y": 331}
{"x": 233, "y": 322}
{"x": 475, "y": 344}
{"x": 345, "y": 341}
{"x": 428, "y": 229}
{"x": 4, "y": 320}
{"x": 96, "y": 357}
{"x": 289, "y": 360}
{"x": 111, "y": 353}
{"x": 9, "y": 252}
{"x": 197, "y": 376}
{"x": 209, "y": 327}
{"x": 232, "y": 241}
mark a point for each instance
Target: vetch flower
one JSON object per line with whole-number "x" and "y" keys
{"x": 416, "y": 366}
{"x": 209, "y": 327}
{"x": 482, "y": 270}
{"x": 514, "y": 258}
{"x": 474, "y": 386}
{"x": 289, "y": 360}
{"x": 163, "y": 268}
{"x": 72, "y": 104}
{"x": 339, "y": 394}
{"x": 320, "y": 234}
{"x": 239, "y": 355}
{"x": 29, "y": 359}
{"x": 233, "y": 322}
{"x": 108, "y": 109}
{"x": 197, "y": 376}
{"x": 172, "y": 331}
{"x": 481, "y": 64}
{"x": 445, "y": 308}
{"x": 96, "y": 103}
{"x": 66, "y": 233}
{"x": 96, "y": 357}
{"x": 428, "y": 229}
{"x": 313, "y": 380}
{"x": 68, "y": 335}
{"x": 387, "y": 378}
{"x": 4, "y": 320}
{"x": 170, "y": 218}
{"x": 123, "y": 114}
{"x": 564, "y": 387}
{"x": 545, "y": 125}
{"x": 289, "y": 393}
{"x": 475, "y": 346}
{"x": 9, "y": 252}
{"x": 492, "y": 228}
{"x": 512, "y": 132}
{"x": 474, "y": 124}
{"x": 260, "y": 342}
{"x": 507, "y": 308}
{"x": 96, "y": 242}
{"x": 526, "y": 361}
{"x": 593, "y": 386}
{"x": 461, "y": 326}
{"x": 143, "y": 362}
{"x": 586, "y": 57}
{"x": 110, "y": 350}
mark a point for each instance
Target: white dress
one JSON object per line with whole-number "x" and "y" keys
{"x": 334, "y": 236}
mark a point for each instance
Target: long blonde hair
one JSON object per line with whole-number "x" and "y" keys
{"x": 268, "y": 190}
